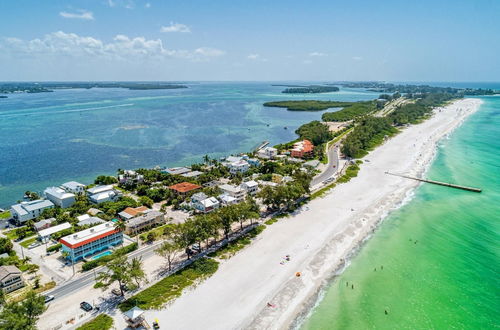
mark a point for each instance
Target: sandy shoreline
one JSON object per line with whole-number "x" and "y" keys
{"x": 319, "y": 239}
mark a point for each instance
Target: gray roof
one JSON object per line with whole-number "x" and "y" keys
{"x": 99, "y": 189}
{"x": 145, "y": 217}
{"x": 6, "y": 271}
{"x": 26, "y": 207}
{"x": 43, "y": 222}
{"x": 177, "y": 170}
{"x": 72, "y": 185}
{"x": 90, "y": 221}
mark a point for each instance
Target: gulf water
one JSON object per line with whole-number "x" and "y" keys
{"x": 77, "y": 134}
{"x": 434, "y": 263}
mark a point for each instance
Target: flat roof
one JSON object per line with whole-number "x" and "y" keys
{"x": 89, "y": 235}
{"x": 58, "y": 192}
{"x": 184, "y": 187}
{"x": 25, "y": 207}
{"x": 231, "y": 188}
{"x": 54, "y": 229}
{"x": 99, "y": 189}
{"x": 72, "y": 184}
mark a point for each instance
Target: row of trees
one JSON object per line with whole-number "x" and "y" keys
{"x": 124, "y": 272}
{"x": 21, "y": 315}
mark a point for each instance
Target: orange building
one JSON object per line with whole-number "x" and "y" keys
{"x": 302, "y": 149}
{"x": 184, "y": 187}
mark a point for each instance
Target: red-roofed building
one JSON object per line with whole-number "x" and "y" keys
{"x": 302, "y": 149}
{"x": 184, "y": 187}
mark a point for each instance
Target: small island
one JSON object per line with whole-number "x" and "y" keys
{"x": 310, "y": 89}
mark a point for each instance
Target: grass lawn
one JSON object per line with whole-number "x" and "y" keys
{"x": 158, "y": 231}
{"x": 5, "y": 215}
{"x": 101, "y": 322}
{"x": 172, "y": 286}
{"x": 27, "y": 242}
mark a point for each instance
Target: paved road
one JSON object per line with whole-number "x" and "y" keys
{"x": 88, "y": 278}
{"x": 333, "y": 164}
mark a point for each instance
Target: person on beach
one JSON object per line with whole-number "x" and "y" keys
{"x": 352, "y": 286}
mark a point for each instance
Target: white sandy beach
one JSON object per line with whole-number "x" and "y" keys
{"x": 318, "y": 239}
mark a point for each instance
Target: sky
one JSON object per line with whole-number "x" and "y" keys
{"x": 387, "y": 40}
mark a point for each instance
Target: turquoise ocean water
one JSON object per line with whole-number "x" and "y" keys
{"x": 440, "y": 253}
{"x": 77, "y": 134}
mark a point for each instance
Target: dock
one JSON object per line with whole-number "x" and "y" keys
{"x": 446, "y": 184}
{"x": 262, "y": 145}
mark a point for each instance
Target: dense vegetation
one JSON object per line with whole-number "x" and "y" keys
{"x": 418, "y": 89}
{"x": 315, "y": 131}
{"x": 44, "y": 87}
{"x": 370, "y": 132}
{"x": 102, "y": 260}
{"x": 311, "y": 89}
{"x": 357, "y": 109}
{"x": 101, "y": 322}
{"x": 172, "y": 286}
{"x": 413, "y": 112}
{"x": 308, "y": 105}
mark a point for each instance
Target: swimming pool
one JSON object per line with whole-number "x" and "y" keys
{"x": 105, "y": 253}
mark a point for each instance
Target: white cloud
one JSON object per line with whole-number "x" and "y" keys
{"x": 317, "y": 54}
{"x": 357, "y": 58}
{"x": 80, "y": 14}
{"x": 147, "y": 5}
{"x": 129, "y": 4}
{"x": 176, "y": 27}
{"x": 121, "y": 47}
{"x": 253, "y": 56}
{"x": 209, "y": 52}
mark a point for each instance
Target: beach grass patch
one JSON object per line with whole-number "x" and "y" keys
{"x": 5, "y": 215}
{"x": 171, "y": 287}
{"x": 101, "y": 322}
{"x": 27, "y": 242}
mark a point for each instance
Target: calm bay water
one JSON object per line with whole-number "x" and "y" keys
{"x": 440, "y": 253}
{"x": 49, "y": 138}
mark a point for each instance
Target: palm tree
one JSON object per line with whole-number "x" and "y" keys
{"x": 206, "y": 159}
{"x": 120, "y": 226}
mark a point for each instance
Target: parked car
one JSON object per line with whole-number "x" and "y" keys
{"x": 48, "y": 298}
{"x": 33, "y": 245}
{"x": 85, "y": 306}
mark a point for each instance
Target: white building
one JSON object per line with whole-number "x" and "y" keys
{"x": 59, "y": 197}
{"x": 130, "y": 176}
{"x": 240, "y": 166}
{"x": 203, "y": 203}
{"x": 251, "y": 187}
{"x": 237, "y": 192}
{"x": 101, "y": 194}
{"x": 44, "y": 235}
{"x": 74, "y": 187}
{"x": 25, "y": 211}
{"x": 227, "y": 200}
{"x": 267, "y": 153}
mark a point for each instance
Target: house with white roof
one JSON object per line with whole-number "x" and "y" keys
{"x": 251, "y": 187}
{"x": 101, "y": 194}
{"x": 74, "y": 187}
{"x": 267, "y": 153}
{"x": 237, "y": 192}
{"x": 59, "y": 197}
{"x": 240, "y": 166}
{"x": 130, "y": 176}
{"x": 228, "y": 200}
{"x": 203, "y": 203}
{"x": 25, "y": 211}
{"x": 44, "y": 235}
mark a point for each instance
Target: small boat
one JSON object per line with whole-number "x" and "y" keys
{"x": 285, "y": 127}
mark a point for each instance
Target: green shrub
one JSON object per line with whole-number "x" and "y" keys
{"x": 53, "y": 248}
{"x": 102, "y": 260}
{"x": 101, "y": 322}
{"x": 172, "y": 286}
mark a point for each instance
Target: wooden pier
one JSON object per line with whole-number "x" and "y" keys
{"x": 262, "y": 145}
{"x": 451, "y": 185}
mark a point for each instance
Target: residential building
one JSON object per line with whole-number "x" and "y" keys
{"x": 253, "y": 161}
{"x": 203, "y": 203}
{"x": 101, "y": 194}
{"x": 227, "y": 200}
{"x": 130, "y": 177}
{"x": 267, "y": 153}
{"x": 184, "y": 188}
{"x": 44, "y": 235}
{"x": 74, "y": 187}
{"x": 240, "y": 166}
{"x": 302, "y": 149}
{"x": 251, "y": 187}
{"x": 131, "y": 212}
{"x": 59, "y": 197}
{"x": 312, "y": 163}
{"x": 90, "y": 221}
{"x": 144, "y": 221}
{"x": 192, "y": 174}
{"x": 43, "y": 224}
{"x": 177, "y": 170}
{"x": 87, "y": 242}
{"x": 11, "y": 278}
{"x": 25, "y": 211}
{"x": 236, "y": 192}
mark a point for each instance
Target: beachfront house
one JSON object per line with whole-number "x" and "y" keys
{"x": 11, "y": 278}
{"x": 59, "y": 197}
{"x": 177, "y": 170}
{"x": 144, "y": 221}
{"x": 302, "y": 149}
{"x": 237, "y": 192}
{"x": 130, "y": 177}
{"x": 86, "y": 243}
{"x": 251, "y": 187}
{"x": 267, "y": 153}
{"x": 45, "y": 234}
{"x": 74, "y": 187}
{"x": 101, "y": 194}
{"x": 132, "y": 212}
{"x": 25, "y": 211}
{"x": 85, "y": 220}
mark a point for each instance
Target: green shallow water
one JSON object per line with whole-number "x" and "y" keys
{"x": 440, "y": 252}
